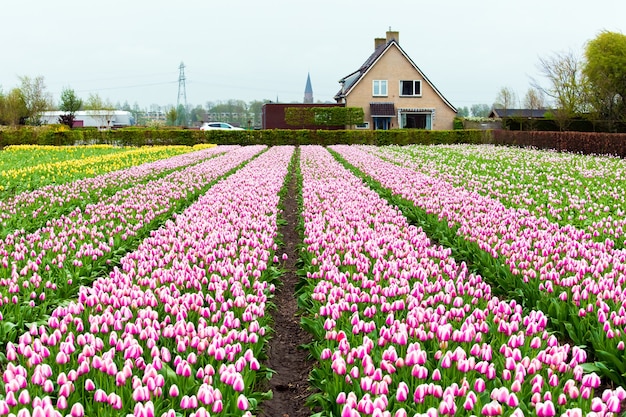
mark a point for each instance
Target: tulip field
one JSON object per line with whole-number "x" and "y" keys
{"x": 441, "y": 280}
{"x": 26, "y": 168}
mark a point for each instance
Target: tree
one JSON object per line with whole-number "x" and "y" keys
{"x": 255, "y": 110}
{"x": 181, "y": 116}
{"x": 605, "y": 70}
{"x": 100, "y": 110}
{"x": 506, "y": 99}
{"x": 197, "y": 115}
{"x": 70, "y": 104}
{"x": 463, "y": 112}
{"x": 567, "y": 85}
{"x": 534, "y": 99}
{"x": 35, "y": 97}
{"x": 171, "y": 116}
{"x": 480, "y": 110}
{"x": 13, "y": 108}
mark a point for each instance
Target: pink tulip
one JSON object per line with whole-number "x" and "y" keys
{"x": 242, "y": 402}
{"x": 10, "y": 399}
{"x": 23, "y": 413}
{"x": 492, "y": 409}
{"x": 402, "y": 392}
{"x": 77, "y": 410}
{"x": 217, "y": 407}
{"x": 400, "y": 413}
{"x": 62, "y": 402}
{"x": 38, "y": 411}
{"x": 24, "y": 397}
{"x": 613, "y": 404}
{"x": 479, "y": 385}
{"x": 100, "y": 396}
{"x": 4, "y": 408}
{"x": 339, "y": 366}
{"x": 238, "y": 384}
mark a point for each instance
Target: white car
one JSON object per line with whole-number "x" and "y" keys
{"x": 218, "y": 126}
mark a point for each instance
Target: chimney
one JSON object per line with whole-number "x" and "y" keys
{"x": 395, "y": 35}
{"x": 379, "y": 41}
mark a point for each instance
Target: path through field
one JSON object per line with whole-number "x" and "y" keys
{"x": 290, "y": 382}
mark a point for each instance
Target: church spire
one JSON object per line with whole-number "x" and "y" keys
{"x": 308, "y": 90}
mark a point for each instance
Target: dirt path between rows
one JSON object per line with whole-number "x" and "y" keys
{"x": 290, "y": 362}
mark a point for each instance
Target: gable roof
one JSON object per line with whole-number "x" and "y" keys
{"x": 351, "y": 80}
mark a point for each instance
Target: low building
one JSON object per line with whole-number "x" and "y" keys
{"x": 394, "y": 92}
{"x": 273, "y": 116}
{"x": 102, "y": 119}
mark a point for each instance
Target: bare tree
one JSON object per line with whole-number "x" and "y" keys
{"x": 36, "y": 99}
{"x": 506, "y": 99}
{"x": 567, "y": 85}
{"x": 534, "y": 99}
{"x": 100, "y": 110}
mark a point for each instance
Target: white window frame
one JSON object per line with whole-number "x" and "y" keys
{"x": 415, "y": 82}
{"x": 379, "y": 88}
{"x": 364, "y": 125}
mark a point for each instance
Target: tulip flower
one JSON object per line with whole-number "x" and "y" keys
{"x": 242, "y": 402}
{"x": 77, "y": 410}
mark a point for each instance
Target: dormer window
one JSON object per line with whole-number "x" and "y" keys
{"x": 411, "y": 88}
{"x": 379, "y": 88}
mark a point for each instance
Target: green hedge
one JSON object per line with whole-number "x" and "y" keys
{"x": 134, "y": 136}
{"x": 583, "y": 142}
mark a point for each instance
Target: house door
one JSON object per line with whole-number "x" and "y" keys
{"x": 382, "y": 123}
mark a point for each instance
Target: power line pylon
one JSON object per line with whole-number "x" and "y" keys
{"x": 182, "y": 90}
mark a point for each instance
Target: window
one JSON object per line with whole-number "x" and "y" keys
{"x": 379, "y": 88}
{"x": 416, "y": 119}
{"x": 410, "y": 88}
{"x": 364, "y": 125}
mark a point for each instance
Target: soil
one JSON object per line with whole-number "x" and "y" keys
{"x": 286, "y": 358}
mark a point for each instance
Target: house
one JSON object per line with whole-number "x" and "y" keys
{"x": 394, "y": 92}
{"x": 526, "y": 119}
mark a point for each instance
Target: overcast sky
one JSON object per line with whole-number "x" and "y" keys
{"x": 248, "y": 50}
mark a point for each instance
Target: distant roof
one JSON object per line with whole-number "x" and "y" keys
{"x": 350, "y": 80}
{"x": 525, "y": 113}
{"x": 79, "y": 113}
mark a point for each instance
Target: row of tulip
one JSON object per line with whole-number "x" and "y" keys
{"x": 30, "y": 210}
{"x": 178, "y": 328}
{"x": 402, "y": 329}
{"x": 89, "y": 162}
{"x": 579, "y": 281}
{"x": 588, "y": 192}
{"x": 20, "y": 156}
{"x": 40, "y": 269}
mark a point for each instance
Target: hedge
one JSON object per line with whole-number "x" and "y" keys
{"x": 583, "y": 142}
{"x": 143, "y": 136}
